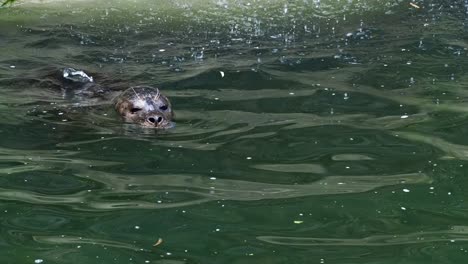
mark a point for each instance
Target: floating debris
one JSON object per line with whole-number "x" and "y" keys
{"x": 414, "y": 5}
{"x": 159, "y": 242}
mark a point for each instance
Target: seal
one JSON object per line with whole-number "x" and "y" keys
{"x": 145, "y": 105}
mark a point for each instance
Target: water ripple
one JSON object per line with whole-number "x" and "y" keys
{"x": 75, "y": 240}
{"x": 195, "y": 189}
{"x": 457, "y": 233}
{"x": 451, "y": 150}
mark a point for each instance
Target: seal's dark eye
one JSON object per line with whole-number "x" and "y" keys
{"x": 135, "y": 109}
{"x": 164, "y": 107}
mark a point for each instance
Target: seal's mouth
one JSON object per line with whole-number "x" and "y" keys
{"x": 165, "y": 125}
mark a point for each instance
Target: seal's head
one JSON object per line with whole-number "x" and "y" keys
{"x": 146, "y": 106}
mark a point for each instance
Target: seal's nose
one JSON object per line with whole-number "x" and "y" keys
{"x": 154, "y": 119}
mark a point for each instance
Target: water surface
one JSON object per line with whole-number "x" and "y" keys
{"x": 308, "y": 132}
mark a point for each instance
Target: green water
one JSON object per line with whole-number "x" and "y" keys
{"x": 307, "y": 132}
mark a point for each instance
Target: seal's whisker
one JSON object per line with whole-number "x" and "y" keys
{"x": 158, "y": 94}
{"x": 137, "y": 93}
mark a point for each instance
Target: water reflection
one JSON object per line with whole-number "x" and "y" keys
{"x": 305, "y": 168}
{"x": 455, "y": 234}
{"x": 193, "y": 189}
{"x": 319, "y": 109}
{"x": 63, "y": 240}
{"x": 450, "y": 150}
{"x": 44, "y": 159}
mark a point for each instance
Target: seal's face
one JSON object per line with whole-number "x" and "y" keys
{"x": 146, "y": 106}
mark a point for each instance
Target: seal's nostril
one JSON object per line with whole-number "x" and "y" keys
{"x": 155, "y": 119}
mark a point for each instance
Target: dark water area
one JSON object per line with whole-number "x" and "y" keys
{"x": 306, "y": 132}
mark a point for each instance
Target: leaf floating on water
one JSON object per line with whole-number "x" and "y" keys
{"x": 159, "y": 242}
